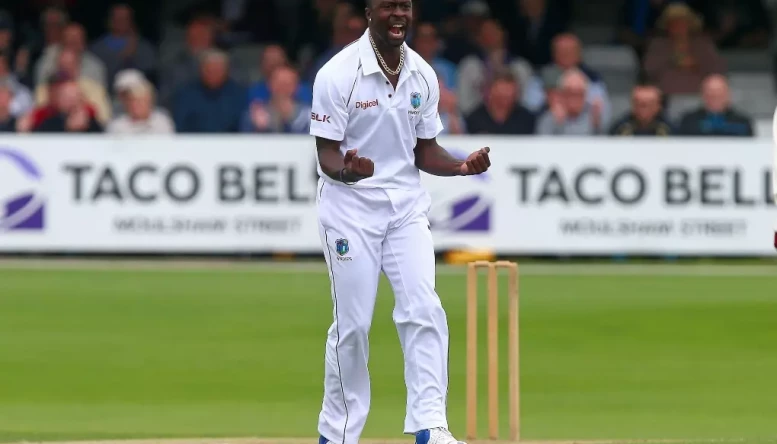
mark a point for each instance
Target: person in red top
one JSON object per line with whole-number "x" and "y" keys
{"x": 39, "y": 114}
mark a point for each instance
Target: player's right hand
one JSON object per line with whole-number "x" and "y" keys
{"x": 360, "y": 167}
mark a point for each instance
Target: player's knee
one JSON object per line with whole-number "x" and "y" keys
{"x": 354, "y": 329}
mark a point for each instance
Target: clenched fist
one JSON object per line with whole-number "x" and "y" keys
{"x": 476, "y": 163}
{"x": 356, "y": 168}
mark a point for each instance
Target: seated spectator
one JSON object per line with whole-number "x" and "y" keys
{"x": 645, "y": 118}
{"x": 475, "y": 71}
{"x": 679, "y": 61}
{"x": 283, "y": 113}
{"x": 125, "y": 80}
{"x": 70, "y": 113}
{"x": 342, "y": 35}
{"x": 186, "y": 64}
{"x": 274, "y": 57}
{"x": 533, "y": 29}
{"x": 567, "y": 54}
{"x": 141, "y": 116}
{"x": 452, "y": 120}
{"x": 736, "y": 23}
{"x": 21, "y": 101}
{"x": 638, "y": 21}
{"x": 30, "y": 121}
{"x": 502, "y": 113}
{"x": 7, "y": 119}
{"x": 68, "y": 63}
{"x": 716, "y": 117}
{"x": 427, "y": 44}
{"x": 123, "y": 47}
{"x": 212, "y": 104}
{"x": 569, "y": 114}
{"x": 74, "y": 39}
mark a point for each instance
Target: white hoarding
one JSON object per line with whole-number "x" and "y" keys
{"x": 213, "y": 194}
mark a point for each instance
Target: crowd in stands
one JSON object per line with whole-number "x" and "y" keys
{"x": 509, "y": 67}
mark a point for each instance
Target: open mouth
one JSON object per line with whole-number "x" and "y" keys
{"x": 397, "y": 31}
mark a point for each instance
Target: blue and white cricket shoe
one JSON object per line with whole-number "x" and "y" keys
{"x": 322, "y": 440}
{"x": 438, "y": 435}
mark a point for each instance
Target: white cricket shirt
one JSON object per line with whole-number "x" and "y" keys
{"x": 354, "y": 103}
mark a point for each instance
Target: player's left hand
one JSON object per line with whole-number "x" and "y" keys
{"x": 476, "y": 163}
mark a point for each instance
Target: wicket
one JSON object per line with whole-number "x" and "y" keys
{"x": 493, "y": 348}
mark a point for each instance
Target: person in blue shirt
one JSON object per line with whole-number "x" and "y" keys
{"x": 212, "y": 104}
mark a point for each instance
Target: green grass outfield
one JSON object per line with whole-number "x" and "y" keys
{"x": 607, "y": 352}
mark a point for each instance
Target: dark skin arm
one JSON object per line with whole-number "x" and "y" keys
{"x": 349, "y": 168}
{"x": 433, "y": 159}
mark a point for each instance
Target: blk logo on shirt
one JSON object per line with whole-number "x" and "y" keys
{"x": 320, "y": 117}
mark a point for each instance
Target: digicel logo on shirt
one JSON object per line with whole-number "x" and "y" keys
{"x": 365, "y": 105}
{"x": 320, "y": 118}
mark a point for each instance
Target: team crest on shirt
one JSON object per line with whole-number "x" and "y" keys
{"x": 341, "y": 246}
{"x": 415, "y": 100}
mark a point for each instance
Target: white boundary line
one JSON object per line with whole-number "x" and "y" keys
{"x": 580, "y": 269}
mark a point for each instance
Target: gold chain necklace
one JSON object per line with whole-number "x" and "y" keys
{"x": 383, "y": 62}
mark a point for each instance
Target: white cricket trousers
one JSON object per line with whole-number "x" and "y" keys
{"x": 384, "y": 230}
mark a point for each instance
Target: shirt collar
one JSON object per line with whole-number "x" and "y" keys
{"x": 369, "y": 60}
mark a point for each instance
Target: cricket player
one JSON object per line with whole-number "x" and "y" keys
{"x": 375, "y": 120}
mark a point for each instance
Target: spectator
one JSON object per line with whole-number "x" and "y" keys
{"x": 274, "y": 57}
{"x": 7, "y": 119}
{"x": 570, "y": 114}
{"x": 21, "y": 97}
{"x": 125, "y": 80}
{"x": 70, "y": 113}
{"x": 283, "y": 113}
{"x": 567, "y": 54}
{"x": 52, "y": 22}
{"x": 349, "y": 31}
{"x": 463, "y": 31}
{"x": 476, "y": 71}
{"x": 183, "y": 70}
{"x": 452, "y": 121}
{"x": 678, "y": 62}
{"x": 74, "y": 39}
{"x": 638, "y": 21}
{"x": 141, "y": 116}
{"x": 30, "y": 121}
{"x": 212, "y": 104}
{"x": 123, "y": 47}
{"x": 68, "y": 63}
{"x": 736, "y": 23}
{"x": 502, "y": 113}
{"x": 427, "y": 44}
{"x": 645, "y": 118}
{"x": 533, "y": 29}
{"x": 716, "y": 117}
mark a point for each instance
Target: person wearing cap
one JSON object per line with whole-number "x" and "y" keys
{"x": 141, "y": 117}
{"x": 124, "y": 81}
{"x": 679, "y": 60}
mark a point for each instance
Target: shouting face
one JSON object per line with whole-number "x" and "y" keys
{"x": 389, "y": 21}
